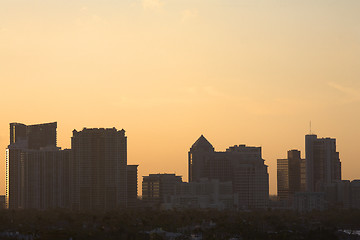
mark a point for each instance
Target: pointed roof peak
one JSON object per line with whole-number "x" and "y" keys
{"x": 202, "y": 143}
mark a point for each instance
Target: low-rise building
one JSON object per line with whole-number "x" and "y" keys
{"x": 156, "y": 186}
{"x": 202, "y": 194}
{"x": 338, "y": 194}
{"x": 308, "y": 201}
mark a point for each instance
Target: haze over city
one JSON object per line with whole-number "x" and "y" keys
{"x": 167, "y": 71}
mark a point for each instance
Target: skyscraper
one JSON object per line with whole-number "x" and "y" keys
{"x": 289, "y": 175}
{"x": 99, "y": 160}
{"x": 37, "y": 172}
{"x": 241, "y": 165}
{"x": 322, "y": 162}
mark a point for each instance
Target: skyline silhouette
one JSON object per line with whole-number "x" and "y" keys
{"x": 44, "y": 135}
{"x": 239, "y": 72}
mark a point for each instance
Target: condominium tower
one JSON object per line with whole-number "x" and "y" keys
{"x": 37, "y": 171}
{"x": 99, "y": 163}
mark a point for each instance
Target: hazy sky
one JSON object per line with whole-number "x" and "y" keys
{"x": 249, "y": 72}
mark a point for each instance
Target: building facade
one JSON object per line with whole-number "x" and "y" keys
{"x": 289, "y": 175}
{"x": 37, "y": 172}
{"x": 35, "y": 136}
{"x": 99, "y": 163}
{"x": 132, "y": 189}
{"x": 343, "y": 194}
{"x": 355, "y": 193}
{"x": 241, "y": 165}
{"x": 322, "y": 162}
{"x": 156, "y": 187}
{"x": 309, "y": 201}
{"x": 203, "y": 194}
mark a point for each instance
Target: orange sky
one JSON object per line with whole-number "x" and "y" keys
{"x": 238, "y": 71}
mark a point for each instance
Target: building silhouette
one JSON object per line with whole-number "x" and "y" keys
{"x": 241, "y": 165}
{"x": 35, "y": 136}
{"x": 203, "y": 194}
{"x": 157, "y": 187}
{"x": 99, "y": 163}
{"x": 132, "y": 189}
{"x": 323, "y": 165}
{"x": 37, "y": 171}
{"x": 355, "y": 193}
{"x": 290, "y": 173}
{"x": 309, "y": 201}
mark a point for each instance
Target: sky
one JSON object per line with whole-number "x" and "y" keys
{"x": 252, "y": 72}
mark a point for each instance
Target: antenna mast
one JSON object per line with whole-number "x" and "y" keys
{"x": 310, "y": 128}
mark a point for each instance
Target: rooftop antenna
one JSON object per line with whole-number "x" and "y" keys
{"x": 310, "y": 128}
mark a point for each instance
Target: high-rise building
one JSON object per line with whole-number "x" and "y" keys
{"x": 289, "y": 175}
{"x": 156, "y": 187}
{"x": 37, "y": 172}
{"x": 132, "y": 190}
{"x": 241, "y": 165}
{"x": 44, "y": 179}
{"x": 323, "y": 165}
{"x": 99, "y": 160}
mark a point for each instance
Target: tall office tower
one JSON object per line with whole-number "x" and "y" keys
{"x": 241, "y": 165}
{"x": 156, "y": 187}
{"x": 99, "y": 159}
{"x": 37, "y": 172}
{"x": 289, "y": 175}
{"x": 322, "y": 162}
{"x": 132, "y": 190}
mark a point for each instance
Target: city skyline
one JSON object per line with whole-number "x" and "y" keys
{"x": 238, "y": 72}
{"x": 37, "y": 141}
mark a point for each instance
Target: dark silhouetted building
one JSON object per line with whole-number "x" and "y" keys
{"x": 241, "y": 165}
{"x": 99, "y": 160}
{"x": 355, "y": 193}
{"x": 36, "y": 136}
{"x": 323, "y": 165}
{"x": 338, "y": 194}
{"x": 37, "y": 172}
{"x": 309, "y": 201}
{"x": 132, "y": 190}
{"x": 2, "y": 201}
{"x": 343, "y": 194}
{"x": 289, "y": 175}
{"x": 203, "y": 194}
{"x": 156, "y": 187}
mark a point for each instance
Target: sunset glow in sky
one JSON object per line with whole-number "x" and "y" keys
{"x": 252, "y": 72}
